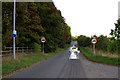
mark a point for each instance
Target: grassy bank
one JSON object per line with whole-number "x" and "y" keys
{"x": 23, "y": 60}
{"x": 100, "y": 58}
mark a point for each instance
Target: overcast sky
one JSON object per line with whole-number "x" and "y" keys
{"x": 89, "y": 17}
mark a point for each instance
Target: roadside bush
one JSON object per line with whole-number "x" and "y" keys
{"x": 50, "y": 45}
{"x": 102, "y": 43}
{"x": 37, "y": 47}
{"x": 113, "y": 46}
{"x": 84, "y": 41}
{"x": 118, "y": 46}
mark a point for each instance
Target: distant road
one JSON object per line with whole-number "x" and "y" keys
{"x": 61, "y": 67}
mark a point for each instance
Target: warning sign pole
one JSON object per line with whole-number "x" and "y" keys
{"x": 94, "y": 41}
{"x": 94, "y": 49}
{"x": 43, "y": 48}
{"x": 43, "y": 40}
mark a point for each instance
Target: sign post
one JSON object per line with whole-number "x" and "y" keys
{"x": 93, "y": 49}
{"x": 43, "y": 40}
{"x": 43, "y": 48}
{"x": 94, "y": 41}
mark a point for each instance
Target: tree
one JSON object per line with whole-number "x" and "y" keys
{"x": 7, "y": 21}
{"x": 34, "y": 20}
{"x": 84, "y": 41}
{"x": 102, "y": 42}
{"x": 116, "y": 34}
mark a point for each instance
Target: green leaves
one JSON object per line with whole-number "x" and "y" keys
{"x": 84, "y": 41}
{"x": 116, "y": 32}
{"x": 102, "y": 43}
{"x": 116, "y": 36}
{"x": 34, "y": 20}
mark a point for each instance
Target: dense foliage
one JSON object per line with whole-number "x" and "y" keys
{"x": 84, "y": 41}
{"x": 116, "y": 36}
{"x": 116, "y": 32}
{"x": 103, "y": 42}
{"x": 34, "y": 20}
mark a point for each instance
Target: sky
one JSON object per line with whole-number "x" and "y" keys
{"x": 89, "y": 17}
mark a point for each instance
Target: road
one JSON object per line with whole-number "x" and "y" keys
{"x": 61, "y": 67}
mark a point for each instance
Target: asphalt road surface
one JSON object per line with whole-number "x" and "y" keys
{"x": 61, "y": 67}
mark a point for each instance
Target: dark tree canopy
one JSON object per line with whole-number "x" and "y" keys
{"x": 34, "y": 20}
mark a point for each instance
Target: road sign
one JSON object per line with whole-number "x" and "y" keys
{"x": 14, "y": 32}
{"x": 94, "y": 41}
{"x": 13, "y": 35}
{"x": 43, "y": 40}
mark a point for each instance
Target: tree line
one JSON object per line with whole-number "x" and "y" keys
{"x": 110, "y": 44}
{"x": 33, "y": 21}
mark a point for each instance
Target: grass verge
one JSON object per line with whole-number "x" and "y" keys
{"x": 99, "y": 58}
{"x": 23, "y": 60}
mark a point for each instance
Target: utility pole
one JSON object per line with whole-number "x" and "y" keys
{"x": 14, "y": 31}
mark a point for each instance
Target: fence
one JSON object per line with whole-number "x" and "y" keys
{"x": 9, "y": 50}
